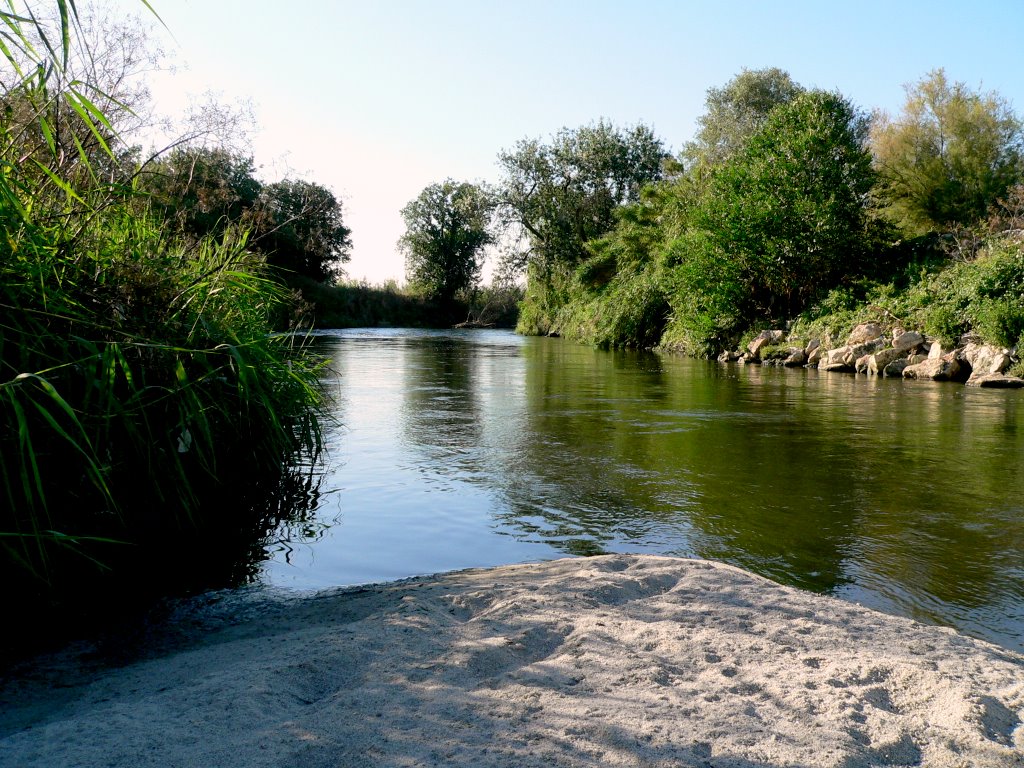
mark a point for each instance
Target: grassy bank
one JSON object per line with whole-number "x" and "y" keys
{"x": 148, "y": 413}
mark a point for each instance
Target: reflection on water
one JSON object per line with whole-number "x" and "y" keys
{"x": 457, "y": 449}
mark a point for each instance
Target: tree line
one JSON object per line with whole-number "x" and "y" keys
{"x": 787, "y": 202}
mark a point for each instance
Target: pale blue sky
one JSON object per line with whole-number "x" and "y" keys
{"x": 378, "y": 99}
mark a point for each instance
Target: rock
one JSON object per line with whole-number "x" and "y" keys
{"x": 935, "y": 351}
{"x": 835, "y": 360}
{"x": 812, "y": 345}
{"x": 860, "y": 350}
{"x": 984, "y": 358}
{"x": 863, "y": 333}
{"x": 915, "y": 359}
{"x": 995, "y": 381}
{"x": 945, "y": 368}
{"x": 907, "y": 341}
{"x": 877, "y": 362}
{"x": 797, "y": 357}
{"x": 763, "y": 339}
{"x": 814, "y": 356}
{"x": 895, "y": 368}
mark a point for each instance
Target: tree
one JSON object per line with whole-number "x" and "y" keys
{"x": 562, "y": 194}
{"x": 203, "y": 189}
{"x": 299, "y": 227}
{"x": 736, "y": 111}
{"x": 447, "y": 228}
{"x": 779, "y": 223}
{"x": 948, "y": 156}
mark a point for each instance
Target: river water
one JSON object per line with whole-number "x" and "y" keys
{"x": 453, "y": 449}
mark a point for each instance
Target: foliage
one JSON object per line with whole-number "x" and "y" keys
{"x": 447, "y": 228}
{"x": 778, "y": 224}
{"x": 130, "y": 360}
{"x": 948, "y": 156}
{"x": 565, "y": 193}
{"x": 737, "y": 111}
{"x": 555, "y": 197}
{"x": 298, "y": 226}
{"x": 203, "y": 190}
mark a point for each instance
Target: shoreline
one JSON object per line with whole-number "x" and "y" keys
{"x": 617, "y": 660}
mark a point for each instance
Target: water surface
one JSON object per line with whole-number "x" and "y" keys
{"x": 475, "y": 448}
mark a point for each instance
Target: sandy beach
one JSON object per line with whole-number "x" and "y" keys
{"x": 609, "y": 661}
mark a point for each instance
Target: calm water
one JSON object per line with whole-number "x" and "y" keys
{"x": 457, "y": 449}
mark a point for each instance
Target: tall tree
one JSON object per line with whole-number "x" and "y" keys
{"x": 203, "y": 189}
{"x": 562, "y": 194}
{"x": 948, "y": 156}
{"x": 736, "y": 111}
{"x": 299, "y": 227}
{"x": 779, "y": 223}
{"x": 446, "y": 232}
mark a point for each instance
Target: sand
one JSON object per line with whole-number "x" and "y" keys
{"x": 608, "y": 661}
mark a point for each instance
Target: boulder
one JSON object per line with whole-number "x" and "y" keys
{"x": 907, "y": 341}
{"x": 895, "y": 368}
{"x": 812, "y": 345}
{"x": 860, "y": 350}
{"x": 835, "y": 360}
{"x": 837, "y": 366}
{"x": 863, "y": 333}
{"x": 935, "y": 351}
{"x": 995, "y": 381}
{"x": 945, "y": 368}
{"x": 796, "y": 358}
{"x": 877, "y": 362}
{"x": 763, "y": 339}
{"x": 984, "y": 358}
{"x": 814, "y": 356}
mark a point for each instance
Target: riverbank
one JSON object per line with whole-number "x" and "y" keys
{"x": 616, "y": 660}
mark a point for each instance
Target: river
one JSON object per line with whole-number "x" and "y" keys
{"x": 451, "y": 449}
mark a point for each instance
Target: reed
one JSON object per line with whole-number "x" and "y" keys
{"x": 140, "y": 382}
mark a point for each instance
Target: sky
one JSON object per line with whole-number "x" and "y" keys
{"x": 376, "y": 99}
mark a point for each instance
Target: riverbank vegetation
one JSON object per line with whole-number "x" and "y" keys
{"x": 790, "y": 208}
{"x": 147, "y": 411}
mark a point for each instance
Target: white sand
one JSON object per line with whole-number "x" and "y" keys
{"x": 608, "y": 661}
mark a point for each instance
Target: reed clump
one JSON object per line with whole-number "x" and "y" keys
{"x": 148, "y": 413}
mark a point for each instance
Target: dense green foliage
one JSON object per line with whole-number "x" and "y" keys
{"x": 779, "y": 220}
{"x": 296, "y": 225}
{"x": 139, "y": 379}
{"x": 736, "y": 112}
{"x": 446, "y": 230}
{"x": 948, "y": 156}
{"x": 793, "y": 206}
{"x": 556, "y": 197}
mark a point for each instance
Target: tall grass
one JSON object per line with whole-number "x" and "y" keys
{"x": 142, "y": 394}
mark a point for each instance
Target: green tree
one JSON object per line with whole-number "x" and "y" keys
{"x": 779, "y": 223}
{"x": 736, "y": 111}
{"x": 555, "y": 197}
{"x": 948, "y": 156}
{"x": 562, "y": 194}
{"x": 447, "y": 228}
{"x": 203, "y": 190}
{"x": 300, "y": 229}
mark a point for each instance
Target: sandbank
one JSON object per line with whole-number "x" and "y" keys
{"x": 617, "y": 660}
